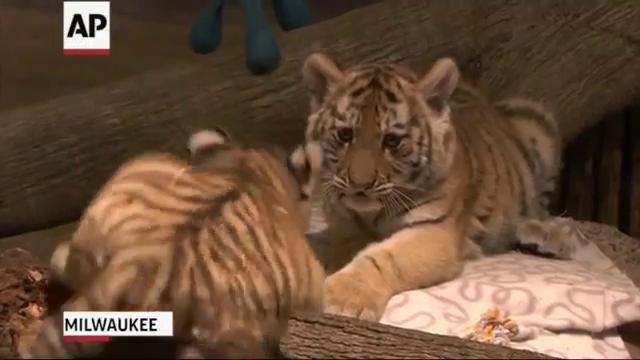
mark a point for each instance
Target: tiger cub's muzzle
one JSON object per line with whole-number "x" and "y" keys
{"x": 365, "y": 197}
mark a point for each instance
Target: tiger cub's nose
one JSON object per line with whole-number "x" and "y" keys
{"x": 360, "y": 193}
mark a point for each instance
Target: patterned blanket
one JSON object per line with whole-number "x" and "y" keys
{"x": 566, "y": 309}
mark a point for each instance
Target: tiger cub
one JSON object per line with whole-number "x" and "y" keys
{"x": 220, "y": 241}
{"x": 421, "y": 173}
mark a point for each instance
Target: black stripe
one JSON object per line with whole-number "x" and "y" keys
{"x": 394, "y": 266}
{"x": 177, "y": 263}
{"x": 217, "y": 251}
{"x": 195, "y": 223}
{"x": 252, "y": 258}
{"x": 489, "y": 143}
{"x": 416, "y": 165}
{"x": 527, "y": 113}
{"x": 462, "y": 133}
{"x": 261, "y": 253}
{"x": 374, "y": 262}
{"x": 524, "y": 152}
{"x": 215, "y": 210}
{"x": 144, "y": 198}
{"x": 145, "y": 238}
{"x": 190, "y": 314}
{"x": 122, "y": 201}
{"x": 510, "y": 168}
{"x": 133, "y": 217}
{"x": 281, "y": 267}
{"x": 357, "y": 92}
{"x": 160, "y": 181}
{"x": 524, "y": 210}
{"x": 200, "y": 259}
{"x": 204, "y": 188}
{"x": 236, "y": 291}
{"x": 429, "y": 142}
{"x": 391, "y": 96}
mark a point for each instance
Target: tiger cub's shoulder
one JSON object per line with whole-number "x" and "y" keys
{"x": 530, "y": 123}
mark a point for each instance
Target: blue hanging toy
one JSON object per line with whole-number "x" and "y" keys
{"x": 263, "y": 54}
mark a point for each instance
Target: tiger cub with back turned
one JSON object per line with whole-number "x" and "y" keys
{"x": 421, "y": 173}
{"x": 219, "y": 241}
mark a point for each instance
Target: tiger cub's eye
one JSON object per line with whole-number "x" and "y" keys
{"x": 345, "y": 134}
{"x": 392, "y": 141}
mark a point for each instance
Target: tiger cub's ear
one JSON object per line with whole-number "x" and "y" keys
{"x": 208, "y": 139}
{"x": 439, "y": 83}
{"x": 319, "y": 73}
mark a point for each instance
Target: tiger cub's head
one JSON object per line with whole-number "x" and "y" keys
{"x": 214, "y": 147}
{"x": 386, "y": 132}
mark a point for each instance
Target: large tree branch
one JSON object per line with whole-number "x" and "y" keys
{"x": 580, "y": 56}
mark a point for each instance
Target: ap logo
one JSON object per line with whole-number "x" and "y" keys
{"x": 86, "y": 29}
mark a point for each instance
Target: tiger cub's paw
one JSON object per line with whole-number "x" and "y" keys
{"x": 557, "y": 237}
{"x": 347, "y": 295}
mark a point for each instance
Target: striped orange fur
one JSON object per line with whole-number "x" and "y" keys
{"x": 219, "y": 240}
{"x": 420, "y": 173}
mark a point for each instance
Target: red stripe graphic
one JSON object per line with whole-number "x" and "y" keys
{"x": 86, "y": 338}
{"x": 87, "y": 51}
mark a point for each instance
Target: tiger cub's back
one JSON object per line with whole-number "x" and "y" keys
{"x": 220, "y": 242}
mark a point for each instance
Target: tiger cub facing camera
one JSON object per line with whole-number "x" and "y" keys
{"x": 422, "y": 172}
{"x": 220, "y": 241}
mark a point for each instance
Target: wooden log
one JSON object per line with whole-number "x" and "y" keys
{"x": 331, "y": 337}
{"x": 326, "y": 9}
{"x": 579, "y": 56}
{"x": 309, "y": 338}
{"x": 609, "y": 171}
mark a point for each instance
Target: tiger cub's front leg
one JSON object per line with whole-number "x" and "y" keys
{"x": 409, "y": 259}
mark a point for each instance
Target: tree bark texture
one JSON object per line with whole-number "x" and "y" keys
{"x": 582, "y": 57}
{"x": 332, "y": 337}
